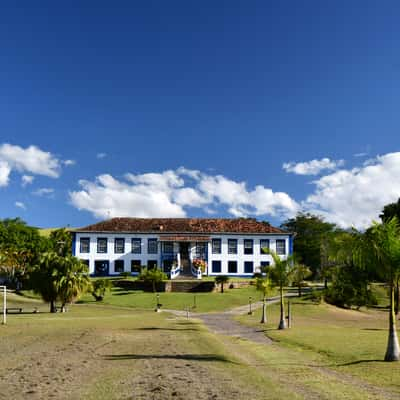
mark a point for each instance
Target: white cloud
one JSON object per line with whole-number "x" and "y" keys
{"x": 356, "y": 197}
{"x": 68, "y": 163}
{"x": 27, "y": 180}
{"x": 31, "y": 159}
{"x": 5, "y": 170}
{"x": 20, "y": 204}
{"x": 44, "y": 192}
{"x": 101, "y": 155}
{"x": 313, "y": 167}
{"x": 169, "y": 193}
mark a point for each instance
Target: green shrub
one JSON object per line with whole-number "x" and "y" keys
{"x": 152, "y": 276}
{"x": 315, "y": 296}
{"x": 125, "y": 274}
{"x": 100, "y": 287}
{"x": 350, "y": 288}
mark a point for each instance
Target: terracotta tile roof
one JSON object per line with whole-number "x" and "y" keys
{"x": 182, "y": 225}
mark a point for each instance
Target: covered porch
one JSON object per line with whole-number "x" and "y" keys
{"x": 181, "y": 255}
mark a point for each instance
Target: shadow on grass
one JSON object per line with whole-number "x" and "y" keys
{"x": 166, "y": 329}
{"x": 187, "y": 357}
{"x": 359, "y": 362}
{"x": 374, "y": 329}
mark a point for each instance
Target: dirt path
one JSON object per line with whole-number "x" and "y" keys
{"x": 223, "y": 323}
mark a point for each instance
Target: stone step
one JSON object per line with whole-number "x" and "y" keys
{"x": 192, "y": 286}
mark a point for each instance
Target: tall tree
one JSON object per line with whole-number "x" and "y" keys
{"x": 350, "y": 279}
{"x": 311, "y": 234}
{"x": 71, "y": 280}
{"x": 280, "y": 274}
{"x": 264, "y": 285}
{"x": 43, "y": 278}
{"x": 389, "y": 211}
{"x": 61, "y": 242}
{"x": 60, "y": 278}
{"x": 299, "y": 273}
{"x": 381, "y": 250}
{"x": 20, "y": 249}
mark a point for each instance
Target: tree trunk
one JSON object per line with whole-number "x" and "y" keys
{"x": 222, "y": 288}
{"x": 53, "y": 308}
{"x": 264, "y": 312}
{"x": 393, "y": 349}
{"x": 63, "y": 308}
{"x": 282, "y": 322}
{"x": 299, "y": 289}
{"x": 397, "y": 297}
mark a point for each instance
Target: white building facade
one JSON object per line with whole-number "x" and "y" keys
{"x": 234, "y": 247}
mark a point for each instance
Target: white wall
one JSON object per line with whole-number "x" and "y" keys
{"x": 224, "y": 257}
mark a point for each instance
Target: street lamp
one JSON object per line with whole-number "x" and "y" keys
{"x": 250, "y": 311}
{"x": 158, "y": 303}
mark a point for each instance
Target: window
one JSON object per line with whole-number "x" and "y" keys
{"x": 136, "y": 246}
{"x": 102, "y": 245}
{"x": 119, "y": 245}
{"x": 136, "y": 266}
{"x": 84, "y": 245}
{"x": 281, "y": 246}
{"x": 232, "y": 246}
{"x": 264, "y": 246}
{"x": 151, "y": 264}
{"x": 152, "y": 246}
{"x": 119, "y": 266}
{"x": 265, "y": 264}
{"x": 248, "y": 267}
{"x": 201, "y": 250}
{"x": 86, "y": 262}
{"x": 168, "y": 247}
{"x": 216, "y": 246}
{"x": 216, "y": 266}
{"x": 248, "y": 246}
{"x": 232, "y": 267}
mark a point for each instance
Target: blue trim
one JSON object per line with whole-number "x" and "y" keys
{"x": 290, "y": 245}
{"x": 73, "y": 243}
{"x": 249, "y": 276}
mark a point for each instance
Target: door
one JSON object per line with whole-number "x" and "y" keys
{"x": 101, "y": 267}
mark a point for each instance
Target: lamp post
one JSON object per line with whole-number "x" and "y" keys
{"x": 250, "y": 310}
{"x": 158, "y": 303}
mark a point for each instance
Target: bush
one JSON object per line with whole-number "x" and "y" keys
{"x": 315, "y": 296}
{"x": 125, "y": 274}
{"x": 350, "y": 288}
{"x": 100, "y": 287}
{"x": 152, "y": 276}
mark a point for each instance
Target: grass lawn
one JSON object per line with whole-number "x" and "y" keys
{"x": 345, "y": 342}
{"x": 100, "y": 351}
{"x": 197, "y": 302}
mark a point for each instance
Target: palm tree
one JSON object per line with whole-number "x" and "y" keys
{"x": 280, "y": 274}
{"x": 72, "y": 279}
{"x": 299, "y": 272}
{"x": 57, "y": 277}
{"x": 381, "y": 248}
{"x": 264, "y": 285}
{"x": 43, "y": 279}
{"x": 221, "y": 280}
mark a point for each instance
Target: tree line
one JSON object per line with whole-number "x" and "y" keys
{"x": 43, "y": 264}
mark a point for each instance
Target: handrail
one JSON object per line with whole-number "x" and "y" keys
{"x": 174, "y": 273}
{"x": 196, "y": 272}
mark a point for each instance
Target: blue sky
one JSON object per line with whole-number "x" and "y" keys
{"x": 238, "y": 108}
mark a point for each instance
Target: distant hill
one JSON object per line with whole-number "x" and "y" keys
{"x": 45, "y": 232}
